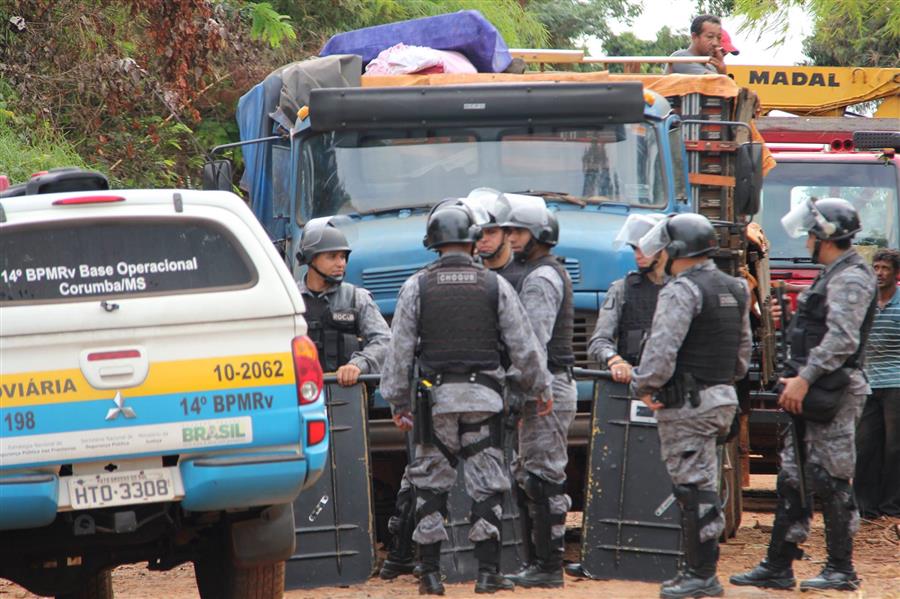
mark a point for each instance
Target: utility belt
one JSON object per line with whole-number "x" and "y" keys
{"x": 823, "y": 399}
{"x": 474, "y": 378}
{"x": 423, "y": 425}
{"x": 682, "y": 386}
{"x": 558, "y": 370}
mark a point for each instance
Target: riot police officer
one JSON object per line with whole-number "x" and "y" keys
{"x": 699, "y": 345}
{"x": 824, "y": 384}
{"x": 451, "y": 319}
{"x": 344, "y": 322}
{"x": 493, "y": 248}
{"x": 546, "y": 293}
{"x": 627, "y": 312}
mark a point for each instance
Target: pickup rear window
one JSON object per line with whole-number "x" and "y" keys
{"x": 94, "y": 259}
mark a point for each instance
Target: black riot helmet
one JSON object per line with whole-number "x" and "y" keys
{"x": 829, "y": 219}
{"x": 450, "y": 223}
{"x": 527, "y": 212}
{"x": 682, "y": 236}
{"x": 322, "y": 235}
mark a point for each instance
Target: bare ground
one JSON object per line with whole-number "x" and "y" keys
{"x": 877, "y": 559}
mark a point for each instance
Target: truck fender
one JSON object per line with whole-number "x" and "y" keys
{"x": 265, "y": 539}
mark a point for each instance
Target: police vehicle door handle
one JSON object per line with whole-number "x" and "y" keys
{"x": 114, "y": 367}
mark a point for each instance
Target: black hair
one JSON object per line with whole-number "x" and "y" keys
{"x": 697, "y": 23}
{"x": 842, "y": 244}
{"x": 892, "y": 257}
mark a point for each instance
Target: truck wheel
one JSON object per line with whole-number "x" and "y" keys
{"x": 98, "y": 586}
{"x": 218, "y": 578}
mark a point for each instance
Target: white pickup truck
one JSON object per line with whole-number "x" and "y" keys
{"x": 159, "y": 400}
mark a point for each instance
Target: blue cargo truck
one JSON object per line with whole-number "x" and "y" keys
{"x": 595, "y": 150}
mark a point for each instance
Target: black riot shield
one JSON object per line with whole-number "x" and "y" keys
{"x": 458, "y": 562}
{"x": 334, "y": 522}
{"x": 632, "y": 524}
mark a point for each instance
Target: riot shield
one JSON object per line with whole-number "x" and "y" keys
{"x": 632, "y": 524}
{"x": 334, "y": 520}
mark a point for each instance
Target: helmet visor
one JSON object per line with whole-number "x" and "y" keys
{"x": 315, "y": 228}
{"x": 635, "y": 227}
{"x": 803, "y": 218}
{"x": 655, "y": 240}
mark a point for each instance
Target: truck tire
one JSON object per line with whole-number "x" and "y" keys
{"x": 218, "y": 578}
{"x": 98, "y": 586}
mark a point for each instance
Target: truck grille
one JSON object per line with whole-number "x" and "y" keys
{"x": 386, "y": 282}
{"x": 584, "y": 328}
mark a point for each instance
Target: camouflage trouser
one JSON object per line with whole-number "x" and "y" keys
{"x": 542, "y": 452}
{"x": 832, "y": 446}
{"x": 688, "y": 448}
{"x": 485, "y": 475}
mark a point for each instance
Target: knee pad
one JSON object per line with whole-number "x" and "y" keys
{"x": 823, "y": 483}
{"x": 485, "y": 510}
{"x": 791, "y": 500}
{"x": 539, "y": 490}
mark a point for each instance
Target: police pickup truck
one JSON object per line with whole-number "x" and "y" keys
{"x": 159, "y": 400}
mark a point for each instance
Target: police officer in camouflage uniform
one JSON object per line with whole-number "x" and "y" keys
{"x": 490, "y": 207}
{"x": 343, "y": 320}
{"x": 826, "y": 338}
{"x": 451, "y": 319}
{"x": 627, "y": 312}
{"x": 546, "y": 293}
{"x": 699, "y": 345}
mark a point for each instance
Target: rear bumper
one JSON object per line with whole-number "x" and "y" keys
{"x": 210, "y": 483}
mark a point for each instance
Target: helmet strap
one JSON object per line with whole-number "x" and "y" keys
{"x": 526, "y": 251}
{"x": 817, "y": 245}
{"x": 669, "y": 262}
{"x": 327, "y": 278}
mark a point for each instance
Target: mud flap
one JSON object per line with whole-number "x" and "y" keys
{"x": 632, "y": 524}
{"x": 334, "y": 519}
{"x": 458, "y": 562}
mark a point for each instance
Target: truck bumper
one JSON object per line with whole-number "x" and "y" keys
{"x": 28, "y": 500}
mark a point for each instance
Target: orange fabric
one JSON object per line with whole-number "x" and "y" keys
{"x": 681, "y": 85}
{"x": 756, "y": 235}
{"x": 768, "y": 159}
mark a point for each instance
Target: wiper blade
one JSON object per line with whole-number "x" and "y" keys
{"x": 396, "y": 209}
{"x": 556, "y": 195}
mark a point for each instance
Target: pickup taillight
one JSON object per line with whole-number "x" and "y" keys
{"x": 307, "y": 370}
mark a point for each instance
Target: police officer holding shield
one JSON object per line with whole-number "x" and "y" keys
{"x": 625, "y": 317}
{"x": 825, "y": 387}
{"x": 699, "y": 345}
{"x": 343, "y": 320}
{"x": 546, "y": 293}
{"x": 451, "y": 319}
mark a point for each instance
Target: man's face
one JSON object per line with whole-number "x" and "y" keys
{"x": 708, "y": 40}
{"x": 810, "y": 243}
{"x": 518, "y": 238}
{"x": 886, "y": 275}
{"x": 491, "y": 240}
{"x": 642, "y": 260}
{"x": 333, "y": 264}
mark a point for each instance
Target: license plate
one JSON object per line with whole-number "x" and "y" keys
{"x": 121, "y": 488}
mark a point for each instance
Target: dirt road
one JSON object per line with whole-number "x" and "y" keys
{"x": 877, "y": 561}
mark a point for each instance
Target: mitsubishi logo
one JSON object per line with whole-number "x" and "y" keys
{"x": 120, "y": 408}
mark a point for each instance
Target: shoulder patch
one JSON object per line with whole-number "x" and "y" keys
{"x": 609, "y": 303}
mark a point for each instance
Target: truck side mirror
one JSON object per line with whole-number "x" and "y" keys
{"x": 217, "y": 175}
{"x": 748, "y": 178}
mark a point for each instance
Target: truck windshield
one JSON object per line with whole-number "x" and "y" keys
{"x": 375, "y": 171}
{"x": 872, "y": 188}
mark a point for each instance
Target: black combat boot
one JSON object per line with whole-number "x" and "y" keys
{"x": 546, "y": 567}
{"x": 575, "y": 569}
{"x": 838, "y": 508}
{"x": 400, "y": 559}
{"x": 699, "y": 578}
{"x": 430, "y": 582}
{"x": 775, "y": 571}
{"x": 489, "y": 578}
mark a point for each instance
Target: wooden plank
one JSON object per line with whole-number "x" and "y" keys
{"x": 705, "y": 179}
{"x": 547, "y": 55}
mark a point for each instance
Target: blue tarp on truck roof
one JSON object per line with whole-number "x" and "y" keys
{"x": 466, "y": 31}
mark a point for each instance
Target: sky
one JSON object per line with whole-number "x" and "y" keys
{"x": 754, "y": 47}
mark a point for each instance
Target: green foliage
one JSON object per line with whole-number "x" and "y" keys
{"x": 569, "y": 21}
{"x": 28, "y": 145}
{"x": 627, "y": 44}
{"x": 847, "y": 32}
{"x": 719, "y": 8}
{"x": 270, "y": 26}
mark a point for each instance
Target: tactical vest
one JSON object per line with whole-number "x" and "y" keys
{"x": 560, "y": 354}
{"x": 513, "y": 272}
{"x": 637, "y": 314}
{"x": 459, "y": 330}
{"x": 710, "y": 349}
{"x": 809, "y": 324}
{"x": 333, "y": 323}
